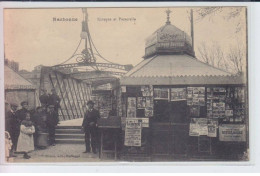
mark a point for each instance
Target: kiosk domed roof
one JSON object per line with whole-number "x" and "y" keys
{"x": 168, "y": 39}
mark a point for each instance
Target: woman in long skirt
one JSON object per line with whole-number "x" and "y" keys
{"x": 25, "y": 140}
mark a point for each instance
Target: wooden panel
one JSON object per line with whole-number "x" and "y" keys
{"x": 169, "y": 139}
{"x": 180, "y": 139}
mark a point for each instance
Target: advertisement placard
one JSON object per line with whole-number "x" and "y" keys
{"x": 232, "y": 132}
{"x": 133, "y": 132}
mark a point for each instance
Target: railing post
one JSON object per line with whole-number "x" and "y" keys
{"x": 60, "y": 91}
{"x": 66, "y": 93}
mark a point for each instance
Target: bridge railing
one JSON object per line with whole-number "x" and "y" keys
{"x": 74, "y": 93}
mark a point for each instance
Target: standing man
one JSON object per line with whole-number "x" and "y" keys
{"x": 9, "y": 125}
{"x": 14, "y": 107}
{"x": 89, "y": 126}
{"x": 54, "y": 100}
{"x": 15, "y": 125}
{"x": 44, "y": 98}
{"x": 52, "y": 121}
{"x": 21, "y": 113}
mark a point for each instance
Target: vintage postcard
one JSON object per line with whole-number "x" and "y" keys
{"x": 113, "y": 84}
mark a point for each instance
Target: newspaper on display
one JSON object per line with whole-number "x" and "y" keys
{"x": 131, "y": 107}
{"x": 146, "y": 100}
{"x": 178, "y": 94}
{"x": 196, "y": 96}
{"x": 203, "y": 127}
{"x": 147, "y": 91}
{"x": 161, "y": 93}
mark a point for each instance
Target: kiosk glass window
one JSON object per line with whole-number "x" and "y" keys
{"x": 170, "y": 105}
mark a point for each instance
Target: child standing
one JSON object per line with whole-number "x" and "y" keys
{"x": 25, "y": 141}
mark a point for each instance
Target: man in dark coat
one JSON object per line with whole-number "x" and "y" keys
{"x": 15, "y": 125}
{"x": 21, "y": 113}
{"x": 54, "y": 100}
{"x": 14, "y": 107}
{"x": 89, "y": 126}
{"x": 44, "y": 98}
{"x": 52, "y": 121}
{"x": 10, "y": 124}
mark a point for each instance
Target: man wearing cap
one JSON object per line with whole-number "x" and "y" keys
{"x": 21, "y": 113}
{"x": 89, "y": 126}
{"x": 44, "y": 98}
{"x": 52, "y": 121}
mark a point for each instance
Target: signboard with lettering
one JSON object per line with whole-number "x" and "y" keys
{"x": 198, "y": 127}
{"x": 212, "y": 127}
{"x": 133, "y": 132}
{"x": 145, "y": 122}
{"x": 232, "y": 132}
{"x": 19, "y": 87}
{"x": 212, "y": 131}
{"x": 171, "y": 37}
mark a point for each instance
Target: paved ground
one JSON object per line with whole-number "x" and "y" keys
{"x": 60, "y": 153}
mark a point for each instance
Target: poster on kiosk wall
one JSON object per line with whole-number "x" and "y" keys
{"x": 133, "y": 132}
{"x": 232, "y": 132}
{"x": 198, "y": 127}
{"x": 203, "y": 127}
{"x": 131, "y": 107}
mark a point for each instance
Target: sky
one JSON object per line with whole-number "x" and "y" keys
{"x": 32, "y": 38}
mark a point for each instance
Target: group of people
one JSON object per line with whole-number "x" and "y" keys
{"x": 24, "y": 125}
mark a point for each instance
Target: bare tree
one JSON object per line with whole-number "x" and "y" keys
{"x": 232, "y": 13}
{"x": 211, "y": 54}
{"x": 203, "y": 53}
{"x": 236, "y": 56}
{"x": 208, "y": 11}
{"x": 231, "y": 61}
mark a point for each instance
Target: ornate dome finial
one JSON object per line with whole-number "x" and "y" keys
{"x": 168, "y": 11}
{"x": 168, "y": 39}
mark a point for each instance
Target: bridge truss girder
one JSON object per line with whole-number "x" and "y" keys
{"x": 74, "y": 93}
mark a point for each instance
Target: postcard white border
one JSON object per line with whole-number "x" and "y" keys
{"x": 254, "y": 100}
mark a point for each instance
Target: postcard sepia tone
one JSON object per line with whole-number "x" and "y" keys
{"x": 126, "y": 84}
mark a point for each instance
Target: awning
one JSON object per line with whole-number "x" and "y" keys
{"x": 178, "y": 70}
{"x": 183, "y": 80}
